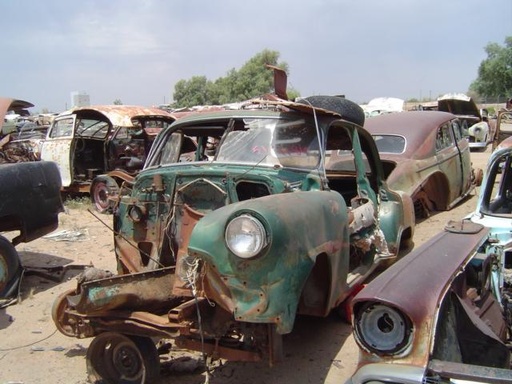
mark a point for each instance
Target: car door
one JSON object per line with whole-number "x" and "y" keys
{"x": 57, "y": 147}
{"x": 449, "y": 161}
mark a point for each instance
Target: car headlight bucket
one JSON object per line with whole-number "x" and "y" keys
{"x": 383, "y": 329}
{"x": 245, "y": 236}
{"x": 136, "y": 213}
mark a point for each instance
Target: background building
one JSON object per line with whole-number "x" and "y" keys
{"x": 80, "y": 99}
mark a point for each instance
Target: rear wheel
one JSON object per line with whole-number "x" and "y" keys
{"x": 116, "y": 358}
{"x": 10, "y": 271}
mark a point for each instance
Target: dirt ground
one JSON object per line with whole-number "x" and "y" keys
{"x": 33, "y": 351}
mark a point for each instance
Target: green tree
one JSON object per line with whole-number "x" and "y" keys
{"x": 495, "y": 72}
{"x": 195, "y": 91}
{"x": 117, "y": 102}
{"x": 251, "y": 80}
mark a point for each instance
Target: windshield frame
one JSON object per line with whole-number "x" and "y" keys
{"x": 273, "y": 141}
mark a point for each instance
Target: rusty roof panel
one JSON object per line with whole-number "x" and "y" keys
{"x": 122, "y": 115}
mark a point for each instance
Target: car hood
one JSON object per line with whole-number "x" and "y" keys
{"x": 420, "y": 269}
{"x": 8, "y": 104}
{"x": 458, "y": 104}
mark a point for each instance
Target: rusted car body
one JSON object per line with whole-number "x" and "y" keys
{"x": 439, "y": 314}
{"x": 425, "y": 154}
{"x": 15, "y": 108}
{"x": 477, "y": 126}
{"x": 98, "y": 148}
{"x": 503, "y": 127}
{"x": 236, "y": 225}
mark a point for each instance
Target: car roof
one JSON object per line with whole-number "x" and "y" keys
{"x": 122, "y": 115}
{"x": 416, "y": 126}
{"x": 401, "y": 122}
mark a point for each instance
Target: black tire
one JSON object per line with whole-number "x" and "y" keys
{"x": 103, "y": 189}
{"x": 10, "y": 270}
{"x": 349, "y": 110}
{"x": 116, "y": 358}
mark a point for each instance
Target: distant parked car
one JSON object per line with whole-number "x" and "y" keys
{"x": 425, "y": 154}
{"x": 383, "y": 105}
{"x": 30, "y": 130}
{"x": 98, "y": 148}
{"x": 477, "y": 127}
{"x": 11, "y": 110}
{"x": 439, "y": 314}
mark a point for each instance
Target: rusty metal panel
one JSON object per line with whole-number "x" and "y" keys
{"x": 144, "y": 290}
{"x": 123, "y": 115}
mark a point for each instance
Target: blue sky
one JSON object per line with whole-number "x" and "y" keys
{"x": 136, "y": 50}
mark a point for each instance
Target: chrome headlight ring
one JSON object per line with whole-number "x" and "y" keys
{"x": 245, "y": 236}
{"x": 382, "y": 329}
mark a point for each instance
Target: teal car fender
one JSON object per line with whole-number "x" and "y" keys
{"x": 267, "y": 288}
{"x": 396, "y": 218}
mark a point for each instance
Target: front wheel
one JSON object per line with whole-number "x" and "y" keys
{"x": 63, "y": 321}
{"x": 116, "y": 358}
{"x": 103, "y": 190}
{"x": 10, "y": 272}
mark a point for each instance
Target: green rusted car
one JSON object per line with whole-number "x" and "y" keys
{"x": 240, "y": 220}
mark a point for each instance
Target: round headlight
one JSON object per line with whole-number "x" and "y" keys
{"x": 382, "y": 329}
{"x": 245, "y": 236}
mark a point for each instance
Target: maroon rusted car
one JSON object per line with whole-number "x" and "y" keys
{"x": 426, "y": 155}
{"x": 440, "y": 314}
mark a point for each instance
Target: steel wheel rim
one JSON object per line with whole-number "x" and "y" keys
{"x": 116, "y": 358}
{"x": 101, "y": 194}
{"x": 128, "y": 362}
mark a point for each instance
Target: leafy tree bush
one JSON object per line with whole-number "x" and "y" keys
{"x": 251, "y": 80}
{"x": 494, "y": 82}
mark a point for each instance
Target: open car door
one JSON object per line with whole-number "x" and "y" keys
{"x": 57, "y": 146}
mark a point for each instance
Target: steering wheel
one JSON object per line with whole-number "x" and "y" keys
{"x": 79, "y": 145}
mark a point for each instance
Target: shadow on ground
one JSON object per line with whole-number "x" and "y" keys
{"x": 310, "y": 352}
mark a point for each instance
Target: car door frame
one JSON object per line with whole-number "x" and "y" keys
{"x": 449, "y": 161}
{"x": 57, "y": 147}
{"x": 465, "y": 156}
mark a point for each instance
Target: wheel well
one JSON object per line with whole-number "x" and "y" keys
{"x": 406, "y": 238}
{"x": 10, "y": 223}
{"x": 437, "y": 190}
{"x": 315, "y": 292}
